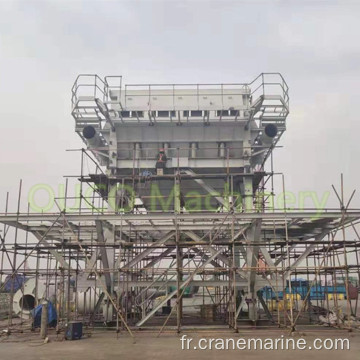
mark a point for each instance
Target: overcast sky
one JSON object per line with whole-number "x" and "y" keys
{"x": 44, "y": 45}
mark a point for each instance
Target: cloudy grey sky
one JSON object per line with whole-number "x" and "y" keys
{"x": 314, "y": 44}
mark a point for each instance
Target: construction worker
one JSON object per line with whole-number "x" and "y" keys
{"x": 161, "y": 162}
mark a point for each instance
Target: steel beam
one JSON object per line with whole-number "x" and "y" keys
{"x": 173, "y": 293}
{"x": 307, "y": 251}
{"x": 280, "y": 216}
{"x": 104, "y": 255}
{"x": 147, "y": 251}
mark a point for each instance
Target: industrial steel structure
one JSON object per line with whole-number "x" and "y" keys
{"x": 179, "y": 219}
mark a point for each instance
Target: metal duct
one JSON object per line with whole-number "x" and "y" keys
{"x": 270, "y": 131}
{"x": 86, "y": 300}
{"x": 94, "y": 140}
{"x": 26, "y": 298}
{"x": 91, "y": 136}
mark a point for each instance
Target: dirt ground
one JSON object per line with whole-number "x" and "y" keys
{"x": 106, "y": 345}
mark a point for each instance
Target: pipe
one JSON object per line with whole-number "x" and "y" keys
{"x": 222, "y": 150}
{"x": 193, "y": 150}
{"x": 94, "y": 140}
{"x": 44, "y": 320}
{"x": 271, "y": 130}
{"x": 29, "y": 296}
{"x": 87, "y": 300}
{"x": 166, "y": 148}
{"x": 137, "y": 151}
{"x": 268, "y": 134}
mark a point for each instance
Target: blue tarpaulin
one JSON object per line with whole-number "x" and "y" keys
{"x": 17, "y": 281}
{"x": 52, "y": 316}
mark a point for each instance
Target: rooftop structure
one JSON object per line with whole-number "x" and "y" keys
{"x": 206, "y": 131}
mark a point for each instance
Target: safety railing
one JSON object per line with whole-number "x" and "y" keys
{"x": 113, "y": 83}
{"x": 172, "y": 94}
{"x": 92, "y": 86}
{"x": 271, "y": 84}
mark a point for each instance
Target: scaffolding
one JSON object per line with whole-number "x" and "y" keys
{"x": 142, "y": 249}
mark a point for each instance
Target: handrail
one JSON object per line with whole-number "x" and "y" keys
{"x": 257, "y": 85}
{"x": 89, "y": 80}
